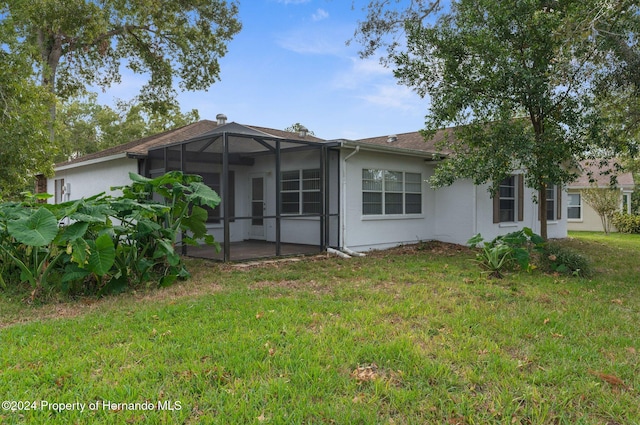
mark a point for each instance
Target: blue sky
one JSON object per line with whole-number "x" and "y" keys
{"x": 290, "y": 63}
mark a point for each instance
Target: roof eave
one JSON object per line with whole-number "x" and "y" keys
{"x": 430, "y": 155}
{"x": 93, "y": 161}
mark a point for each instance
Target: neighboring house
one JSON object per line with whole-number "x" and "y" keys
{"x": 296, "y": 193}
{"x": 580, "y": 215}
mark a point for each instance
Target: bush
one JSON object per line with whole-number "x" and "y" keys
{"x": 560, "y": 259}
{"x": 507, "y": 252}
{"x": 105, "y": 244}
{"x": 626, "y": 223}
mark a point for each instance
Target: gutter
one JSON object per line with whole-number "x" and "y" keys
{"x": 431, "y": 156}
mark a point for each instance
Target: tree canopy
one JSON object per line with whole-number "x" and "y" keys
{"x": 70, "y": 47}
{"x": 84, "y": 126}
{"x": 23, "y": 115}
{"x": 80, "y": 43}
{"x": 297, "y": 128}
{"x": 515, "y": 80}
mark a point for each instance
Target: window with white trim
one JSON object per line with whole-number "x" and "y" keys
{"x": 574, "y": 206}
{"x": 387, "y": 192}
{"x": 58, "y": 191}
{"x": 300, "y": 192}
{"x": 508, "y": 192}
{"x": 552, "y": 202}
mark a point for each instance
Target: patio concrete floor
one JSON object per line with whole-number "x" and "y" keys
{"x": 252, "y": 249}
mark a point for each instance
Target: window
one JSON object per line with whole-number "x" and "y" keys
{"x": 552, "y": 208}
{"x": 574, "y": 209}
{"x": 300, "y": 192}
{"x": 59, "y": 191}
{"x": 508, "y": 202}
{"x": 508, "y": 189}
{"x": 213, "y": 181}
{"x": 391, "y": 192}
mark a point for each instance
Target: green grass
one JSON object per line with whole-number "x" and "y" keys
{"x": 409, "y": 336}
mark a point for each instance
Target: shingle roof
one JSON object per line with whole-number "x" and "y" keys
{"x": 412, "y": 141}
{"x": 141, "y": 147}
{"x": 595, "y": 174}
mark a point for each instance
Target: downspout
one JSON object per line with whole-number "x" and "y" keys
{"x": 343, "y": 204}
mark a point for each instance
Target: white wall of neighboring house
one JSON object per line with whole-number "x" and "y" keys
{"x": 589, "y": 219}
{"x": 85, "y": 180}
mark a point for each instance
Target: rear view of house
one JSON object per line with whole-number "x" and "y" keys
{"x": 288, "y": 193}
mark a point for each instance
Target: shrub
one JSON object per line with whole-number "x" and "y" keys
{"x": 626, "y": 223}
{"x": 507, "y": 252}
{"x": 605, "y": 202}
{"x": 104, "y": 244}
{"x": 560, "y": 259}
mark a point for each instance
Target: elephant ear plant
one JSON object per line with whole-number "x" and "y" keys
{"x": 103, "y": 243}
{"x": 507, "y": 252}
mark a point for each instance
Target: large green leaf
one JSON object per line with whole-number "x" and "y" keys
{"x": 75, "y": 231}
{"x": 165, "y": 249}
{"x": 103, "y": 254}
{"x": 79, "y": 250}
{"x": 203, "y": 195}
{"x": 73, "y": 272}
{"x": 39, "y": 229}
{"x": 196, "y": 222}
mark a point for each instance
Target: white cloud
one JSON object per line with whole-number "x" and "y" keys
{"x": 362, "y": 71}
{"x": 320, "y": 15}
{"x": 371, "y": 82}
{"x": 392, "y": 96}
{"x": 312, "y": 41}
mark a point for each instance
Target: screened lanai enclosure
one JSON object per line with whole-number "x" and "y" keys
{"x": 279, "y": 196}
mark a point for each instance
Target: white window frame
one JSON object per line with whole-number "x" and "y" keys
{"x": 303, "y": 187}
{"x": 382, "y": 179}
{"x": 578, "y": 206}
{"x": 552, "y": 198}
{"x": 59, "y": 190}
{"x": 514, "y": 198}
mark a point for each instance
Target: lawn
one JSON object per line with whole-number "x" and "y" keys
{"x": 408, "y": 336}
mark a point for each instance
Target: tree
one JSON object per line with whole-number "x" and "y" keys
{"x": 79, "y": 43}
{"x": 605, "y": 202}
{"x": 618, "y": 92}
{"x": 514, "y": 79}
{"x": 83, "y": 126}
{"x": 297, "y": 128}
{"x": 23, "y": 118}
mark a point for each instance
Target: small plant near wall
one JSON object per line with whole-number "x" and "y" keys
{"x": 564, "y": 260}
{"x": 507, "y": 252}
{"x": 626, "y": 223}
{"x": 105, "y": 244}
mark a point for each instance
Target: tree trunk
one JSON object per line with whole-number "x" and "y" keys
{"x": 50, "y": 51}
